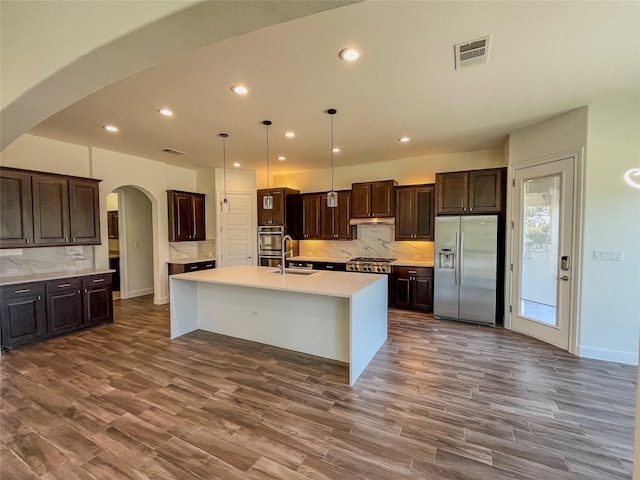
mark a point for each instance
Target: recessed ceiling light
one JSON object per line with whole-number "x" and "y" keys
{"x": 350, "y": 54}
{"x": 165, "y": 112}
{"x": 404, "y": 139}
{"x": 290, "y": 134}
{"x": 335, "y": 149}
{"x": 281, "y": 158}
{"x": 110, "y": 128}
{"x": 240, "y": 89}
{"x": 236, "y": 164}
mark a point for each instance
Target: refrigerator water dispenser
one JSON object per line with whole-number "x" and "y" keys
{"x": 446, "y": 259}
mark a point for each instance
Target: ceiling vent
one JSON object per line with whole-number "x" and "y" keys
{"x": 177, "y": 153}
{"x": 472, "y": 52}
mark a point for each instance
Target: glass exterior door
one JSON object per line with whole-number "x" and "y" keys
{"x": 542, "y": 244}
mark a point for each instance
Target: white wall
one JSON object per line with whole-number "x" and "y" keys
{"x": 115, "y": 170}
{"x": 137, "y": 241}
{"x": 410, "y": 171}
{"x": 611, "y": 290}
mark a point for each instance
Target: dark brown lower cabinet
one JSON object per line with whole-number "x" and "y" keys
{"x": 23, "y": 314}
{"x": 64, "y": 305}
{"x": 412, "y": 288}
{"x": 98, "y": 299}
{"x": 32, "y": 312}
{"x": 175, "y": 268}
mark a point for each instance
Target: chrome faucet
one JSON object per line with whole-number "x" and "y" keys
{"x": 283, "y": 261}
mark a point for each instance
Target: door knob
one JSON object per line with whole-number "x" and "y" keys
{"x": 563, "y": 277}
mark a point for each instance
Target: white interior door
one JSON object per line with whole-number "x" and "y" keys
{"x": 542, "y": 251}
{"x": 237, "y": 233}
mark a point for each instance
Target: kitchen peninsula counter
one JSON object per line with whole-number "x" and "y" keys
{"x": 340, "y": 316}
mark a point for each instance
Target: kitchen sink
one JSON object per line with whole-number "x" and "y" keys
{"x": 297, "y": 271}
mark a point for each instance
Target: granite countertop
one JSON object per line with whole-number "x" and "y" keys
{"x": 42, "y": 277}
{"x": 184, "y": 261}
{"x": 321, "y": 282}
{"x": 398, "y": 263}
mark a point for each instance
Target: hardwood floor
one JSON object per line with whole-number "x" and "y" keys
{"x": 441, "y": 400}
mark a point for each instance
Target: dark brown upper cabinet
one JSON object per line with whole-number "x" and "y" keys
{"x": 473, "y": 191}
{"x": 310, "y": 220}
{"x": 373, "y": 199}
{"x": 278, "y": 215}
{"x": 16, "y": 211}
{"x": 42, "y": 210}
{"x": 186, "y": 216}
{"x": 415, "y": 212}
{"x": 334, "y": 221}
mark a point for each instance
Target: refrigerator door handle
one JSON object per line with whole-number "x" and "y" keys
{"x": 455, "y": 264}
{"x": 461, "y": 256}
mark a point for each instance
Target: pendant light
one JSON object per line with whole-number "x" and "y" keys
{"x": 225, "y": 204}
{"x": 332, "y": 196}
{"x": 267, "y": 200}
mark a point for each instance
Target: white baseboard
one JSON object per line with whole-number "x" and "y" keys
{"x": 160, "y": 300}
{"x": 629, "y": 358}
{"x": 140, "y": 292}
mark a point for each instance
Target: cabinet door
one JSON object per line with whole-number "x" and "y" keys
{"x": 98, "y": 301}
{"x": 485, "y": 190}
{"x": 278, "y": 212}
{"x": 401, "y": 290}
{"x": 50, "y": 210}
{"x": 422, "y": 293}
{"x": 342, "y": 229}
{"x": 406, "y": 215}
{"x": 179, "y": 204}
{"x": 84, "y": 209}
{"x": 112, "y": 225}
{"x": 310, "y": 216}
{"x": 64, "y": 305}
{"x": 452, "y": 192}
{"x": 424, "y": 202}
{"x": 198, "y": 217}
{"x": 382, "y": 199}
{"x": 265, "y": 216}
{"x": 327, "y": 216}
{"x": 16, "y": 214}
{"x": 361, "y": 200}
{"x": 23, "y": 314}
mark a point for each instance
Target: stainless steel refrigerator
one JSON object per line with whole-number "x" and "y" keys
{"x": 466, "y": 268}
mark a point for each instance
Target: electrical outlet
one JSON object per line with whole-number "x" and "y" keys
{"x": 608, "y": 255}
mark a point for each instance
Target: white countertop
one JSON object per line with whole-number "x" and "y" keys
{"x": 336, "y": 284}
{"x": 184, "y": 261}
{"x": 42, "y": 277}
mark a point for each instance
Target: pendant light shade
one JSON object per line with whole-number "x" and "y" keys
{"x": 267, "y": 200}
{"x": 332, "y": 196}
{"x": 225, "y": 204}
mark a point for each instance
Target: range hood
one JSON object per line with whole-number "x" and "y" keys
{"x": 373, "y": 221}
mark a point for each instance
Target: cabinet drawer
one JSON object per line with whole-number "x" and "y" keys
{"x": 96, "y": 280}
{"x": 53, "y": 286}
{"x": 413, "y": 271}
{"x": 22, "y": 290}
{"x": 207, "y": 265}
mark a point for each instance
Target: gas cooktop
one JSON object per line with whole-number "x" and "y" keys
{"x": 370, "y": 265}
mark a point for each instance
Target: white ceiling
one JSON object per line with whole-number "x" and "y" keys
{"x": 546, "y": 58}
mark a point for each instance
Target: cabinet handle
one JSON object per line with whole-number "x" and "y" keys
{"x": 73, "y": 239}
{"x": 38, "y": 297}
{"x": 85, "y": 290}
{"x": 194, "y": 267}
{"x": 26, "y": 240}
{"x": 209, "y": 265}
{"x": 63, "y": 285}
{"x": 412, "y": 272}
{"x": 79, "y": 292}
{"x": 99, "y": 280}
{"x": 66, "y": 240}
{"x": 24, "y": 290}
{"x": 329, "y": 267}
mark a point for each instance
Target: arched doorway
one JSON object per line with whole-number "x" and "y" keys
{"x": 130, "y": 225}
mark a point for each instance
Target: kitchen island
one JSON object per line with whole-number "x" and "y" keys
{"x": 336, "y": 315}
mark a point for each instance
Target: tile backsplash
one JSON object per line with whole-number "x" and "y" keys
{"x": 26, "y": 261}
{"x": 373, "y": 241}
{"x": 182, "y": 250}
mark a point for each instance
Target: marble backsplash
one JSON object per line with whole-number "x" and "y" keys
{"x": 27, "y": 261}
{"x": 373, "y": 241}
{"x": 182, "y": 250}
